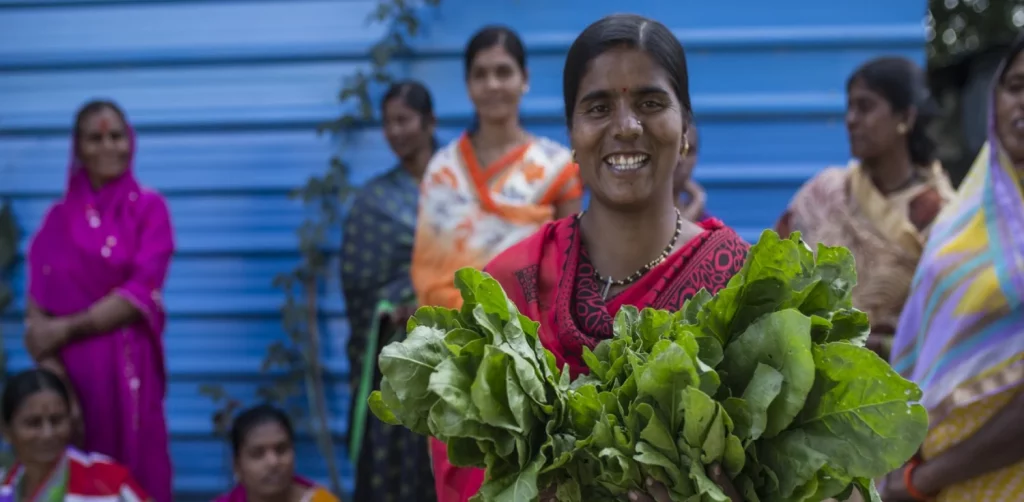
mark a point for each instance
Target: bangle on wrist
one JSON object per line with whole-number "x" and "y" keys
{"x": 908, "y": 476}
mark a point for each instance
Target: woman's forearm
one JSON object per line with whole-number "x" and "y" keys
{"x": 108, "y": 314}
{"x": 33, "y": 310}
{"x": 998, "y": 444}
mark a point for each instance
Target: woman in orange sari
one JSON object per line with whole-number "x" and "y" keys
{"x": 882, "y": 204}
{"x": 494, "y": 185}
{"x": 627, "y": 106}
{"x": 487, "y": 190}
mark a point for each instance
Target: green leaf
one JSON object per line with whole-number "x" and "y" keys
{"x": 666, "y": 377}
{"x": 517, "y": 487}
{"x": 858, "y": 412}
{"x": 764, "y": 387}
{"x": 381, "y": 410}
{"x": 782, "y": 341}
{"x": 491, "y": 393}
{"x": 849, "y": 325}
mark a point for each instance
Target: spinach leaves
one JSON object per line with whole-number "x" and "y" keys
{"x": 768, "y": 378}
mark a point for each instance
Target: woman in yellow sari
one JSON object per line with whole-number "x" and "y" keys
{"x": 882, "y": 204}
{"x": 487, "y": 190}
{"x": 961, "y": 335}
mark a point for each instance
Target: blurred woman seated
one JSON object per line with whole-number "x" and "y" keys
{"x": 36, "y": 412}
{"x": 263, "y": 444}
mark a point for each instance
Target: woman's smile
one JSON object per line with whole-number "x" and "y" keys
{"x": 626, "y": 163}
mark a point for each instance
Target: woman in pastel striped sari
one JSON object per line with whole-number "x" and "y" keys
{"x": 961, "y": 335}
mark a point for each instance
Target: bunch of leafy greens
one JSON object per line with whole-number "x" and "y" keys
{"x": 768, "y": 378}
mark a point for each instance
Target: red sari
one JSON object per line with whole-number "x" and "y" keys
{"x": 551, "y": 280}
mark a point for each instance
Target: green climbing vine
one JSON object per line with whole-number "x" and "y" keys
{"x": 297, "y": 377}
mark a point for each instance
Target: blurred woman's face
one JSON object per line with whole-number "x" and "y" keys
{"x": 1010, "y": 110}
{"x": 496, "y": 84}
{"x": 405, "y": 130}
{"x": 627, "y": 129}
{"x": 265, "y": 464}
{"x": 103, "y": 146}
{"x": 872, "y": 126}
{"x": 40, "y": 429}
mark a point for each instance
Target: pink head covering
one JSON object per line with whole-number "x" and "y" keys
{"x": 94, "y": 242}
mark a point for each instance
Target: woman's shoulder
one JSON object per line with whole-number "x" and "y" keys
{"x": 550, "y": 152}
{"x": 522, "y": 253}
{"x": 446, "y": 154}
{"x": 149, "y": 200}
{"x": 96, "y": 463}
{"x": 96, "y": 474}
{"x": 828, "y": 179}
{"x": 321, "y": 494}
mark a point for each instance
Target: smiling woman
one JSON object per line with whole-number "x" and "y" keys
{"x": 95, "y": 311}
{"x": 37, "y": 421}
{"x": 627, "y": 106}
{"x": 494, "y": 185}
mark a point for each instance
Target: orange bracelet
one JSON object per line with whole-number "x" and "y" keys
{"x": 908, "y": 474}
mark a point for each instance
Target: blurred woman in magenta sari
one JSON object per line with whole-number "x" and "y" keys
{"x": 97, "y": 267}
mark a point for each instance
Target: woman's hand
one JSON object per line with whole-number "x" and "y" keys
{"x": 657, "y": 492}
{"x": 895, "y": 490}
{"x": 44, "y": 336}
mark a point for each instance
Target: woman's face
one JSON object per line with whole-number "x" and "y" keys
{"x": 627, "y": 129}
{"x": 404, "y": 129}
{"x": 265, "y": 464}
{"x": 1010, "y": 110}
{"x": 40, "y": 429}
{"x": 872, "y": 126}
{"x": 496, "y": 84}
{"x": 103, "y": 146}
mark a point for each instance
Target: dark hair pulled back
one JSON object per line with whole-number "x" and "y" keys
{"x": 903, "y": 85}
{"x": 253, "y": 417}
{"x": 1011, "y": 54}
{"x": 416, "y": 96}
{"x": 26, "y": 384}
{"x": 96, "y": 106}
{"x": 494, "y": 35}
{"x": 630, "y": 31}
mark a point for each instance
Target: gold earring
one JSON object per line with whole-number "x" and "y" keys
{"x": 902, "y": 128}
{"x": 573, "y": 152}
{"x": 686, "y": 147}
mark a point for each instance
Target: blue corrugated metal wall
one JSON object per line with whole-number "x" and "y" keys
{"x": 227, "y": 94}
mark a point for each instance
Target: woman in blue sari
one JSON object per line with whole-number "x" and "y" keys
{"x": 391, "y": 463}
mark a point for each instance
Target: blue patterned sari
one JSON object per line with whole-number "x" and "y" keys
{"x": 391, "y": 463}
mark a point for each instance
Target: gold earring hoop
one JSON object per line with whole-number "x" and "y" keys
{"x": 902, "y": 128}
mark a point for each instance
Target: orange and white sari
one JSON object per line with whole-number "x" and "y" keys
{"x": 469, "y": 213}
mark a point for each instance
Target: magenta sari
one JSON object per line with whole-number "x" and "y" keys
{"x": 91, "y": 244}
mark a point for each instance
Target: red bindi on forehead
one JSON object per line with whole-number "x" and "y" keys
{"x": 104, "y": 125}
